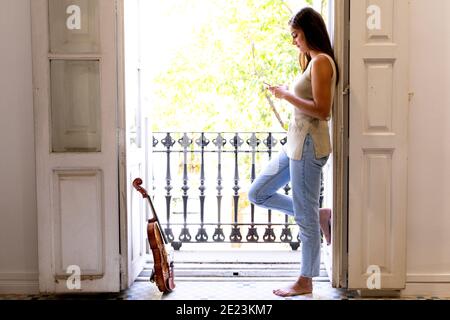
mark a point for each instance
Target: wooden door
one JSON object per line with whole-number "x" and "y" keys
{"x": 76, "y": 115}
{"x": 378, "y": 144}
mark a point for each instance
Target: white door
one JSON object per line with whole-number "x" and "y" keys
{"x": 76, "y": 106}
{"x": 135, "y": 140}
{"x": 378, "y": 144}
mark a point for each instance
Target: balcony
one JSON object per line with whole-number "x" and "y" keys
{"x": 200, "y": 182}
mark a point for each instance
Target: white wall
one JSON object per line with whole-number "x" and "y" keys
{"x": 18, "y": 214}
{"x": 428, "y": 253}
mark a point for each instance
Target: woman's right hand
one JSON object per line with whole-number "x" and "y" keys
{"x": 279, "y": 92}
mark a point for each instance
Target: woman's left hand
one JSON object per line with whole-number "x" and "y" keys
{"x": 279, "y": 92}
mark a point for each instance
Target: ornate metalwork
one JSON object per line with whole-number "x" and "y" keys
{"x": 236, "y": 234}
{"x": 185, "y": 142}
{"x": 219, "y": 236}
{"x": 167, "y": 142}
{"x": 286, "y": 234}
{"x": 219, "y": 142}
{"x": 202, "y": 236}
{"x": 236, "y": 142}
{"x": 252, "y": 235}
{"x": 269, "y": 235}
{"x": 255, "y": 144}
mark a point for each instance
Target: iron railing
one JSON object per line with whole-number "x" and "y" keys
{"x": 182, "y": 160}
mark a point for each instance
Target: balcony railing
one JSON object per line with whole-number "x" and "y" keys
{"x": 201, "y": 179}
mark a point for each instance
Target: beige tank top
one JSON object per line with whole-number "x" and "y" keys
{"x": 301, "y": 125}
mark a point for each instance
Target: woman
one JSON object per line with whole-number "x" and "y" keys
{"x": 308, "y": 146}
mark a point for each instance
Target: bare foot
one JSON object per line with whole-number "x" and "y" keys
{"x": 300, "y": 287}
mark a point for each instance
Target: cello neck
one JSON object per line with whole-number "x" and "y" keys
{"x": 137, "y": 184}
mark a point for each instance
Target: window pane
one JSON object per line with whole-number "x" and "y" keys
{"x": 75, "y": 106}
{"x": 74, "y": 26}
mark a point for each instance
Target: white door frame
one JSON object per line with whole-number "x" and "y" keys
{"x": 340, "y": 160}
{"x": 135, "y": 140}
{"x": 341, "y": 35}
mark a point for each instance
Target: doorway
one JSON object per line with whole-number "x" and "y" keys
{"x": 175, "y": 196}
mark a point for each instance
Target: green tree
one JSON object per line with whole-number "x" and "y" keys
{"x": 215, "y": 83}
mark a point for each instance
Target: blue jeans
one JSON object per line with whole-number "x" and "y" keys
{"x": 304, "y": 176}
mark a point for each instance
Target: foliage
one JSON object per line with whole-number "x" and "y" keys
{"x": 215, "y": 81}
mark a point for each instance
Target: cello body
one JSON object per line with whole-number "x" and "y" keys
{"x": 162, "y": 274}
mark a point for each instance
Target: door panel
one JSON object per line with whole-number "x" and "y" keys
{"x": 78, "y": 221}
{"x": 378, "y": 143}
{"x": 75, "y": 98}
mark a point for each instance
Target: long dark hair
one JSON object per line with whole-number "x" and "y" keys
{"x": 316, "y": 35}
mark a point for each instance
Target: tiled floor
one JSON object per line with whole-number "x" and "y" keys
{"x": 211, "y": 289}
{"x": 254, "y": 289}
{"x": 206, "y": 276}
{"x": 206, "y": 289}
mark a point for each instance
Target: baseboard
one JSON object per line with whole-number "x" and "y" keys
{"x": 438, "y": 290}
{"x": 427, "y": 285}
{"x": 19, "y": 283}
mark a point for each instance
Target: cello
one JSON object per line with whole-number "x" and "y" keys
{"x": 162, "y": 273}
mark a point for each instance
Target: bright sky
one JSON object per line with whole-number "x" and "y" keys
{"x": 172, "y": 24}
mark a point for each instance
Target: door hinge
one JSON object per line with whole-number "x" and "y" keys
{"x": 346, "y": 90}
